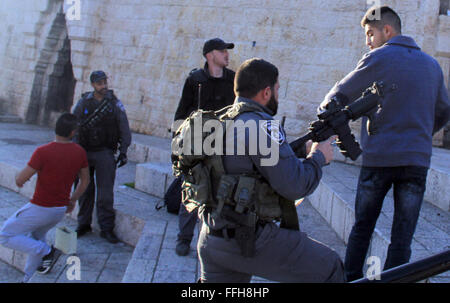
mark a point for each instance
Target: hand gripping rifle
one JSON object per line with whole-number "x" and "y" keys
{"x": 334, "y": 121}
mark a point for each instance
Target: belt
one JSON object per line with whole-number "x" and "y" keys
{"x": 229, "y": 232}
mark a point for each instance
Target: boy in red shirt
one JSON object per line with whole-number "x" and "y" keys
{"x": 57, "y": 164}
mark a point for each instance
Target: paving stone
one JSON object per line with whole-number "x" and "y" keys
{"x": 9, "y": 274}
{"x": 139, "y": 271}
{"x": 169, "y": 276}
{"x": 112, "y": 274}
{"x": 85, "y": 277}
{"x": 170, "y": 261}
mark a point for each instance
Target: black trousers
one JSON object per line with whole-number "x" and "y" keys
{"x": 102, "y": 166}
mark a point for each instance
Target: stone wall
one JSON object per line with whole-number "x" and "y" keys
{"x": 148, "y": 49}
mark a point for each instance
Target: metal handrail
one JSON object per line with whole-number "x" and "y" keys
{"x": 413, "y": 272}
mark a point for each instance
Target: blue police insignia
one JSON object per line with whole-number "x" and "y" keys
{"x": 120, "y": 105}
{"x": 272, "y": 129}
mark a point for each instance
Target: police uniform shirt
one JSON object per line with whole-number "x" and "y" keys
{"x": 291, "y": 177}
{"x": 121, "y": 118}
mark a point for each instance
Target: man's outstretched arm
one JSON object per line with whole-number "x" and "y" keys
{"x": 24, "y": 175}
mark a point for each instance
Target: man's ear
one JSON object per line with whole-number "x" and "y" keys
{"x": 267, "y": 93}
{"x": 388, "y": 31}
{"x": 209, "y": 56}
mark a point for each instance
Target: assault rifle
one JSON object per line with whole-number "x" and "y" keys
{"x": 334, "y": 121}
{"x": 100, "y": 112}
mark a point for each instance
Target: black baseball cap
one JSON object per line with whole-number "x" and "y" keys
{"x": 216, "y": 43}
{"x": 97, "y": 76}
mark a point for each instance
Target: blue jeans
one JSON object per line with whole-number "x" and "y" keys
{"x": 373, "y": 184}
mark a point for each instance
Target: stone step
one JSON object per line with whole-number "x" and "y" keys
{"x": 9, "y": 274}
{"x": 154, "y": 178}
{"x": 10, "y": 119}
{"x": 334, "y": 200}
{"x": 438, "y": 180}
{"x": 146, "y": 148}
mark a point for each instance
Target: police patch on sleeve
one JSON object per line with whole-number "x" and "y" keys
{"x": 272, "y": 128}
{"x": 120, "y": 105}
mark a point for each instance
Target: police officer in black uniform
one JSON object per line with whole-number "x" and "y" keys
{"x": 103, "y": 131}
{"x": 210, "y": 88}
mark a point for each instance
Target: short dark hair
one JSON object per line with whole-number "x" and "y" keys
{"x": 65, "y": 124}
{"x": 387, "y": 16}
{"x": 254, "y": 75}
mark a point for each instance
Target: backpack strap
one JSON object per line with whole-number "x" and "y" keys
{"x": 238, "y": 108}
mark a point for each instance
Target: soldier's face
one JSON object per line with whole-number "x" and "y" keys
{"x": 220, "y": 57}
{"x": 100, "y": 86}
{"x": 375, "y": 37}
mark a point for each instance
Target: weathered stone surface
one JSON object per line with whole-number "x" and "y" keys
{"x": 153, "y": 178}
{"x": 148, "y": 49}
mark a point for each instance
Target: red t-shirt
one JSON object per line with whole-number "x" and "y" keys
{"x": 57, "y": 166}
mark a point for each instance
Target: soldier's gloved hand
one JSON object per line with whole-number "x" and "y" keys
{"x": 121, "y": 160}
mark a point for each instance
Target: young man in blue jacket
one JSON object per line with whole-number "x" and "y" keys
{"x": 399, "y": 153}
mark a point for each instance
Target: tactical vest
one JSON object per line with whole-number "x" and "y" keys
{"x": 249, "y": 197}
{"x": 102, "y": 130}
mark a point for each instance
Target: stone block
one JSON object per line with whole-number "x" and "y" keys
{"x": 148, "y": 247}
{"x": 139, "y": 271}
{"x": 146, "y": 253}
{"x": 6, "y": 254}
{"x": 140, "y": 152}
{"x": 152, "y": 178}
{"x": 325, "y": 202}
{"x": 80, "y": 33}
{"x": 443, "y": 36}
{"x": 128, "y": 227}
{"x": 80, "y": 59}
{"x": 438, "y": 189}
{"x": 7, "y": 176}
{"x": 349, "y": 222}
{"x": 19, "y": 260}
{"x": 170, "y": 261}
{"x": 338, "y": 215}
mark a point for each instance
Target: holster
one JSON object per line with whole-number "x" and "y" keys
{"x": 245, "y": 233}
{"x": 246, "y": 237}
{"x": 289, "y": 217}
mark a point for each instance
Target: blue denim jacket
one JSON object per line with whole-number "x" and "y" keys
{"x": 411, "y": 114}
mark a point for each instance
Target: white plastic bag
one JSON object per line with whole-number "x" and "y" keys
{"x": 66, "y": 240}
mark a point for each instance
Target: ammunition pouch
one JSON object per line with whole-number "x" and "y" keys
{"x": 196, "y": 187}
